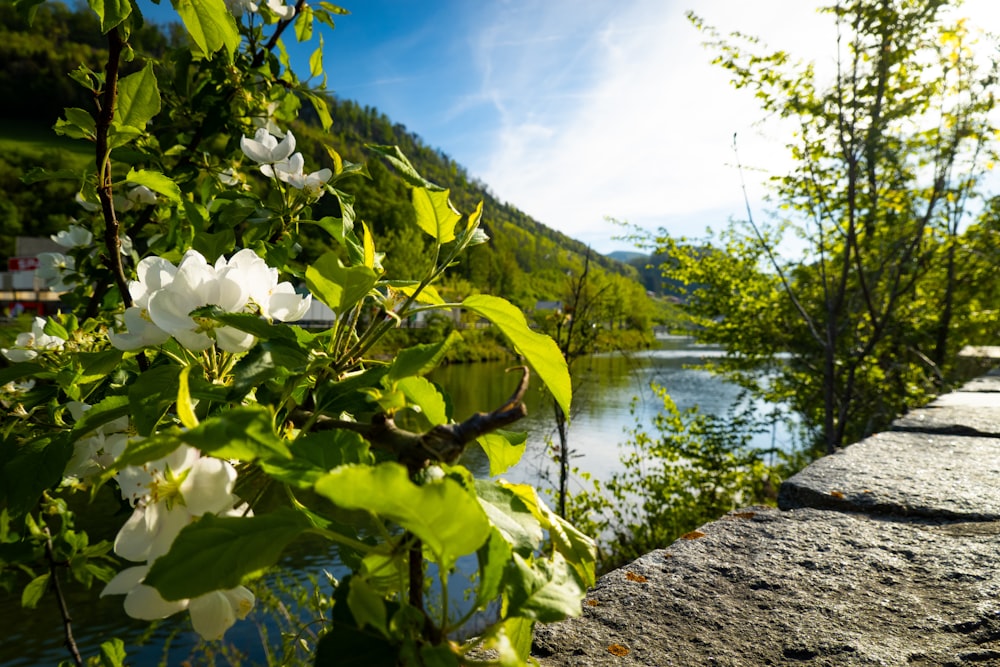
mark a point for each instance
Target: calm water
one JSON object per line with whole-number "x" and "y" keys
{"x": 604, "y": 389}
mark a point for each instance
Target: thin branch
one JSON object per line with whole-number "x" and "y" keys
{"x": 104, "y": 188}
{"x": 766, "y": 245}
{"x": 258, "y": 58}
{"x": 63, "y": 608}
{"x": 444, "y": 442}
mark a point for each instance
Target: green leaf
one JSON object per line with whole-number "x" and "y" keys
{"x": 403, "y": 166}
{"x": 304, "y": 24}
{"x": 542, "y": 591}
{"x": 316, "y": 59}
{"x": 243, "y": 433}
{"x": 156, "y": 182}
{"x": 113, "y": 653}
{"x": 102, "y": 412}
{"x": 578, "y": 549}
{"x": 34, "y": 467}
{"x": 151, "y": 396}
{"x": 504, "y": 449}
{"x": 214, "y": 244}
{"x": 509, "y": 514}
{"x": 520, "y": 632}
{"x": 33, "y": 592}
{"x": 98, "y": 365}
{"x": 111, "y": 12}
{"x": 185, "y": 409}
{"x": 138, "y": 99}
{"x": 252, "y": 324}
{"x": 435, "y": 214}
{"x": 215, "y": 553}
{"x": 537, "y": 349}
{"x": 444, "y": 515}
{"x": 367, "y": 606}
{"x": 78, "y": 124}
{"x": 144, "y": 450}
{"x": 338, "y": 286}
{"x": 18, "y": 371}
{"x": 210, "y": 25}
{"x": 420, "y": 359}
{"x": 316, "y": 454}
{"x": 493, "y": 558}
{"x": 346, "y": 646}
{"x": 422, "y": 393}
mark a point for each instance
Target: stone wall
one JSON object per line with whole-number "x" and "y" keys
{"x": 886, "y": 553}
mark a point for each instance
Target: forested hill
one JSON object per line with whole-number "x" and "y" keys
{"x": 525, "y": 261}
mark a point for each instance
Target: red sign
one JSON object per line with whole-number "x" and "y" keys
{"x": 22, "y": 263}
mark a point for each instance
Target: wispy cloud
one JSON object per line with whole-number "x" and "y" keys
{"x": 634, "y": 124}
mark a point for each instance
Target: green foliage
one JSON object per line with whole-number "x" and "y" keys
{"x": 183, "y": 383}
{"x": 889, "y": 166}
{"x": 691, "y": 469}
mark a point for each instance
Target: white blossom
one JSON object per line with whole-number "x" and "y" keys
{"x": 98, "y": 449}
{"x": 266, "y": 149}
{"x": 29, "y": 343}
{"x": 164, "y": 297}
{"x": 168, "y": 494}
{"x": 74, "y": 237}
{"x": 57, "y": 271}
{"x": 291, "y": 171}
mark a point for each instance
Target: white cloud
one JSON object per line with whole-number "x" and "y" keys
{"x": 620, "y": 114}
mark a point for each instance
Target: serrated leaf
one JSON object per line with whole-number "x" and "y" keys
{"x": 215, "y": 553}
{"x": 448, "y": 520}
{"x": 435, "y": 214}
{"x": 578, "y": 549}
{"x": 304, "y": 24}
{"x": 540, "y": 351}
{"x": 543, "y": 591}
{"x": 316, "y": 454}
{"x": 110, "y": 12}
{"x": 138, "y": 99}
{"x": 508, "y": 513}
{"x": 34, "y": 591}
{"x": 156, "y": 182}
{"x": 338, "y": 286}
{"x": 403, "y": 166}
{"x": 102, "y": 412}
{"x": 210, "y": 25}
{"x": 113, "y": 653}
{"x": 504, "y": 449}
{"x": 243, "y": 433}
{"x": 420, "y": 359}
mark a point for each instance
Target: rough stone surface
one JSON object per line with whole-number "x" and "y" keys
{"x": 987, "y": 383}
{"x": 906, "y": 474}
{"x": 815, "y": 587}
{"x": 883, "y": 554}
{"x": 959, "y": 420}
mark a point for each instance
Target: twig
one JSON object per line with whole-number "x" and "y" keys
{"x": 444, "y": 442}
{"x": 63, "y": 608}
{"x": 258, "y": 58}
{"x": 105, "y": 116}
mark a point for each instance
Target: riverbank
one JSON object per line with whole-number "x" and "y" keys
{"x": 882, "y": 554}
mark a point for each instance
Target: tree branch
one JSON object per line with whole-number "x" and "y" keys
{"x": 63, "y": 608}
{"x": 444, "y": 443}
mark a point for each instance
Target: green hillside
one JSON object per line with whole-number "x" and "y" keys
{"x": 525, "y": 261}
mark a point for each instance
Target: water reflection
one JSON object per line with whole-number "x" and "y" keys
{"x": 603, "y": 412}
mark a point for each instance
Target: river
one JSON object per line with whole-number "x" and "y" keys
{"x": 603, "y": 412}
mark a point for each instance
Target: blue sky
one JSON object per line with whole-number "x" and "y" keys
{"x": 575, "y": 110}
